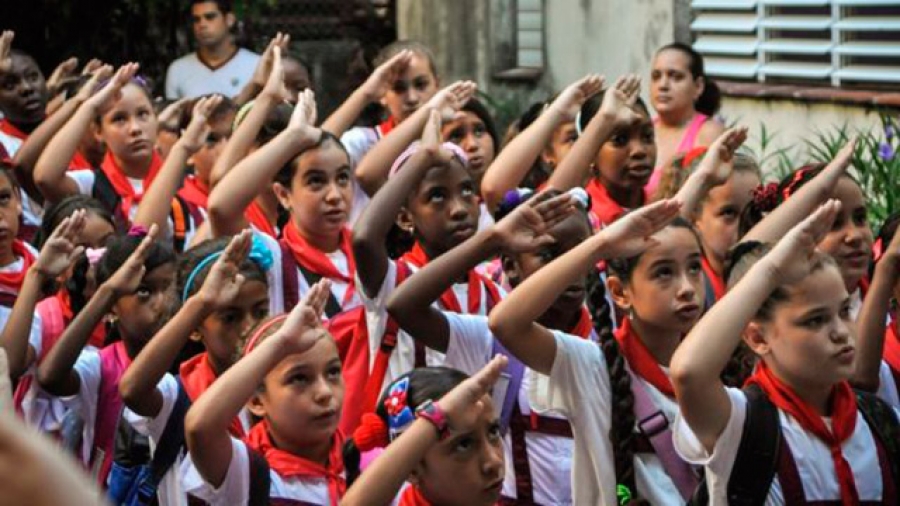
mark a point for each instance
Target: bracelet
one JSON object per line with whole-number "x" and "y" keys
{"x": 429, "y": 410}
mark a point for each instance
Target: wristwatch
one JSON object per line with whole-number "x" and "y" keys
{"x": 429, "y": 410}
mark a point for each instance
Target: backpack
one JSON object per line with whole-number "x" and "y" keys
{"x": 757, "y": 458}
{"x": 134, "y": 477}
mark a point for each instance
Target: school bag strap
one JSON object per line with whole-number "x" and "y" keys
{"x": 183, "y": 216}
{"x": 514, "y": 372}
{"x": 291, "y": 281}
{"x": 260, "y": 479}
{"x": 104, "y": 192}
{"x": 656, "y": 428}
{"x": 7, "y": 299}
{"x": 885, "y": 426}
{"x": 171, "y": 441}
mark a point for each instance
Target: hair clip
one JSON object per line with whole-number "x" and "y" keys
{"x": 260, "y": 253}
{"x": 371, "y": 433}
{"x": 399, "y": 415}
{"x": 138, "y": 231}
{"x": 581, "y": 196}
{"x": 513, "y": 198}
{"x": 578, "y": 129}
{"x": 765, "y": 197}
{"x": 94, "y": 255}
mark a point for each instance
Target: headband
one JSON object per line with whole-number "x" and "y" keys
{"x": 251, "y": 343}
{"x": 417, "y": 145}
{"x": 259, "y": 254}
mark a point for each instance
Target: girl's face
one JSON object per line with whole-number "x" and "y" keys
{"x": 850, "y": 239}
{"x": 224, "y": 330}
{"x": 23, "y": 91}
{"x": 321, "y": 192}
{"x": 672, "y": 86}
{"x": 666, "y": 289}
{"x": 296, "y": 77}
{"x": 10, "y": 210}
{"x": 567, "y": 234}
{"x": 470, "y": 133}
{"x": 809, "y": 342}
{"x": 625, "y": 161}
{"x": 129, "y": 127}
{"x": 443, "y": 210}
{"x": 96, "y": 231}
{"x": 302, "y": 398}
{"x": 412, "y": 89}
{"x": 564, "y": 137}
{"x": 205, "y": 159}
{"x": 143, "y": 313}
{"x": 720, "y": 215}
{"x": 466, "y": 468}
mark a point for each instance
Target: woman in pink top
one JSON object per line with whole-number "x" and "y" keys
{"x": 685, "y": 101}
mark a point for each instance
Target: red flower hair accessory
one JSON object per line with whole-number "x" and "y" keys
{"x": 372, "y": 433}
{"x": 765, "y": 197}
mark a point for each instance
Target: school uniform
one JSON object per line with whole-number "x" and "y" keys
{"x": 358, "y": 141}
{"x": 286, "y": 288}
{"x": 603, "y": 207}
{"x": 470, "y": 347}
{"x": 812, "y": 457}
{"x": 12, "y": 276}
{"x": 11, "y": 140}
{"x": 191, "y": 77}
{"x": 579, "y": 388}
{"x": 292, "y": 480}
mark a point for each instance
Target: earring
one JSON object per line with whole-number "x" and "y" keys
{"x": 630, "y": 312}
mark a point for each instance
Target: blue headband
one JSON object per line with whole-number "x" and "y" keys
{"x": 259, "y": 254}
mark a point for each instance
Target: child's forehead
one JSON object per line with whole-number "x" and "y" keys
{"x": 450, "y": 174}
{"x": 672, "y": 242}
{"x": 22, "y": 63}
{"x": 323, "y": 353}
{"x": 326, "y": 157}
{"x": 823, "y": 287}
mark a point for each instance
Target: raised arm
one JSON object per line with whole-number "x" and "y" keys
{"x": 263, "y": 69}
{"x": 616, "y": 111}
{"x": 375, "y": 87}
{"x": 156, "y": 204}
{"x": 57, "y": 255}
{"x": 871, "y": 321}
{"x": 372, "y": 171}
{"x": 55, "y": 374}
{"x": 383, "y": 479}
{"x": 802, "y": 203}
{"x": 714, "y": 170}
{"x": 221, "y": 287}
{"x": 514, "y": 320}
{"x": 512, "y": 164}
{"x": 50, "y": 170}
{"x": 206, "y": 423}
{"x": 27, "y": 156}
{"x": 254, "y": 173}
{"x": 524, "y": 229}
{"x": 704, "y": 353}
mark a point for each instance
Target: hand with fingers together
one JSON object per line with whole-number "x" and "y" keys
{"x": 263, "y": 69}
{"x": 570, "y": 101}
{"x": 463, "y": 405}
{"x": 303, "y": 119}
{"x": 303, "y": 326}
{"x": 223, "y": 283}
{"x": 112, "y": 91}
{"x": 451, "y": 99}
{"x": 384, "y": 77}
{"x": 6, "y": 39}
{"x": 526, "y": 228}
{"x": 790, "y": 258}
{"x": 632, "y": 234}
{"x": 194, "y": 136}
{"x": 128, "y": 277}
{"x": 716, "y": 164}
{"x": 63, "y": 72}
{"x": 620, "y": 99}
{"x": 61, "y": 250}
{"x": 274, "y": 88}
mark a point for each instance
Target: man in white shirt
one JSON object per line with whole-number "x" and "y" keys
{"x": 218, "y": 65}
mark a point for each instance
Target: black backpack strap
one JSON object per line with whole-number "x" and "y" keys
{"x": 289, "y": 268}
{"x": 171, "y": 441}
{"x": 107, "y": 195}
{"x": 260, "y": 480}
{"x": 181, "y": 217}
{"x": 882, "y": 420}
{"x": 757, "y": 457}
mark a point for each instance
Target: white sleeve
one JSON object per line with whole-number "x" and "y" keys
{"x": 35, "y": 335}
{"x": 153, "y": 426}
{"x": 84, "y": 179}
{"x": 720, "y": 462}
{"x": 235, "y": 488}
{"x": 275, "y": 276}
{"x": 87, "y": 367}
{"x": 887, "y": 387}
{"x": 358, "y": 141}
{"x": 470, "y": 344}
{"x": 171, "y": 83}
{"x": 579, "y": 372}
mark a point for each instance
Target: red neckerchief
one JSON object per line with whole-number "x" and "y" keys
{"x": 197, "y": 375}
{"x": 641, "y": 360}
{"x": 448, "y": 299}
{"x": 10, "y": 129}
{"x": 288, "y": 465}
{"x": 585, "y": 325}
{"x": 412, "y": 497}
{"x": 316, "y": 261}
{"x": 716, "y": 281}
{"x": 892, "y": 346}
{"x": 606, "y": 209}
{"x": 79, "y": 162}
{"x": 98, "y": 335}
{"x": 122, "y": 185}
{"x": 195, "y": 192}
{"x": 386, "y": 126}
{"x": 255, "y": 216}
{"x": 13, "y": 280}
{"x": 843, "y": 421}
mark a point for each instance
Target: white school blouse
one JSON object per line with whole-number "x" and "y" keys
{"x": 811, "y": 455}
{"x": 579, "y": 387}
{"x": 549, "y": 457}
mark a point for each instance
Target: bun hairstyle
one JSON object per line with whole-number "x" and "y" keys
{"x": 386, "y": 423}
{"x": 710, "y": 100}
{"x": 767, "y": 197}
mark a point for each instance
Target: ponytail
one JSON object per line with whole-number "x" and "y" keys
{"x": 710, "y": 101}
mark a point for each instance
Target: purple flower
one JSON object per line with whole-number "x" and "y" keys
{"x": 886, "y": 151}
{"x": 889, "y": 131}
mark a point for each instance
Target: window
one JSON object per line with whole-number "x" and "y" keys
{"x": 836, "y": 42}
{"x": 519, "y": 39}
